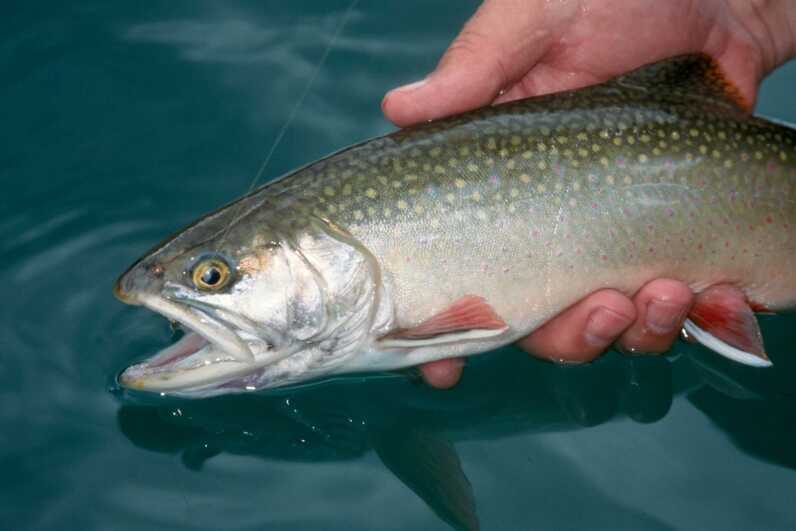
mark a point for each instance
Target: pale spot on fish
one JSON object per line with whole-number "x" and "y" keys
{"x": 525, "y": 178}
{"x": 460, "y": 183}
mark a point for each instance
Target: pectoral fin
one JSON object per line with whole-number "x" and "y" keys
{"x": 723, "y": 321}
{"x": 470, "y": 317}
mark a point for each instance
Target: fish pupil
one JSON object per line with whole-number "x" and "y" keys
{"x": 211, "y": 276}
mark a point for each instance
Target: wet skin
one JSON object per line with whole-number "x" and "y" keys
{"x": 544, "y": 48}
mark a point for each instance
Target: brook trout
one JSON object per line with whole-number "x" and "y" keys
{"x": 461, "y": 235}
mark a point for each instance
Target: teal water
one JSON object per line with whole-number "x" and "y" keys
{"x": 122, "y": 122}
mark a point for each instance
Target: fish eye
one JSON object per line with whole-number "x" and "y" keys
{"x": 211, "y": 274}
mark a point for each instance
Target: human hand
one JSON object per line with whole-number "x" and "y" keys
{"x": 513, "y": 49}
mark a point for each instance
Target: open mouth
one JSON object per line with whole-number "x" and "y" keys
{"x": 211, "y": 353}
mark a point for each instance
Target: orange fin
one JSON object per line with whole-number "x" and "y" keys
{"x": 693, "y": 76}
{"x": 468, "y": 317}
{"x": 722, "y": 320}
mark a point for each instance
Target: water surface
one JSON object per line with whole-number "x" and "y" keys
{"x": 123, "y": 122}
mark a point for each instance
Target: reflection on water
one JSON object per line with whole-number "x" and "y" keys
{"x": 414, "y": 431}
{"x": 125, "y": 121}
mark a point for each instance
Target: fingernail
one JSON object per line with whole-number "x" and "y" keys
{"x": 604, "y": 326}
{"x": 405, "y": 89}
{"x": 663, "y": 317}
{"x": 411, "y": 86}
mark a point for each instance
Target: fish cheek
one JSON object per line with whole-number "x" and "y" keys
{"x": 305, "y": 302}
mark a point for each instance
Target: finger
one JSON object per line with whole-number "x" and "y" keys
{"x": 442, "y": 374}
{"x": 584, "y": 330}
{"x": 662, "y": 305}
{"x": 498, "y": 45}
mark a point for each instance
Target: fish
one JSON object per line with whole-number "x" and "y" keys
{"x": 458, "y": 236}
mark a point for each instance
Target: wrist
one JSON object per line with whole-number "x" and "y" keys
{"x": 772, "y": 26}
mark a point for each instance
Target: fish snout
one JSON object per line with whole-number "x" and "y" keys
{"x": 139, "y": 278}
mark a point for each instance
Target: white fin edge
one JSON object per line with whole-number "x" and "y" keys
{"x": 445, "y": 338}
{"x": 720, "y": 347}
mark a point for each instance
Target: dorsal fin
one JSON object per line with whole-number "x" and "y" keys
{"x": 687, "y": 76}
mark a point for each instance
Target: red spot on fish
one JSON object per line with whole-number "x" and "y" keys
{"x": 769, "y": 220}
{"x": 700, "y": 246}
{"x": 594, "y": 205}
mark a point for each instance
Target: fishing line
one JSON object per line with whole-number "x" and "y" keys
{"x": 299, "y": 102}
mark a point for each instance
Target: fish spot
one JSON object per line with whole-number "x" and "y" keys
{"x": 402, "y": 205}
{"x": 525, "y": 178}
{"x": 371, "y": 193}
{"x": 476, "y": 196}
{"x": 460, "y": 183}
{"x": 541, "y": 189}
{"x": 329, "y": 191}
{"x": 542, "y": 165}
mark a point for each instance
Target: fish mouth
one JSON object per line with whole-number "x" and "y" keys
{"x": 213, "y": 351}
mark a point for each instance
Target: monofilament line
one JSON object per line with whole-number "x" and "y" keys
{"x": 299, "y": 102}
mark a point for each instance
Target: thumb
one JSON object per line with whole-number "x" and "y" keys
{"x": 499, "y": 45}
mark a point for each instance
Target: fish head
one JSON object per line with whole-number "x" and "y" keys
{"x": 265, "y": 301}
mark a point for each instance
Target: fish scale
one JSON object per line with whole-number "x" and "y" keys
{"x": 526, "y": 207}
